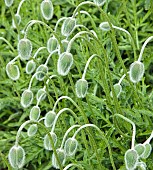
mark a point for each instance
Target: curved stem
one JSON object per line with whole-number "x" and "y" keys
{"x": 19, "y": 6}
{"x": 39, "y": 49}
{"x": 66, "y": 133}
{"x": 50, "y": 56}
{"x": 149, "y": 139}
{"x": 87, "y": 64}
{"x": 121, "y": 79}
{"x": 143, "y": 47}
{"x": 59, "y": 113}
{"x": 14, "y": 59}
{"x": 134, "y": 129}
{"x": 61, "y": 19}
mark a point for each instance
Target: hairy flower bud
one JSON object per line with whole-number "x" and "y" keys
{"x": 30, "y": 67}
{"x": 68, "y": 26}
{"x": 81, "y": 88}
{"x": 32, "y": 130}
{"x": 24, "y": 49}
{"x": 136, "y": 71}
{"x": 47, "y": 143}
{"x": 140, "y": 148}
{"x": 8, "y": 3}
{"x": 104, "y": 26}
{"x": 18, "y": 20}
{"x": 41, "y": 94}
{"x": 35, "y": 113}
{"x": 43, "y": 69}
{"x": 70, "y": 146}
{"x": 16, "y": 157}
{"x": 26, "y": 98}
{"x": 47, "y": 9}
{"x": 147, "y": 151}
{"x": 12, "y": 71}
{"x": 118, "y": 90}
{"x": 49, "y": 118}
{"x": 64, "y": 64}
{"x": 52, "y": 44}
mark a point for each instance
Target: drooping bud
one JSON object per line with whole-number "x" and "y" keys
{"x": 64, "y": 64}
{"x": 47, "y": 9}
{"x": 81, "y": 88}
{"x": 52, "y": 44}
{"x": 68, "y": 26}
{"x": 43, "y": 69}
{"x": 49, "y": 118}
{"x": 41, "y": 94}
{"x": 24, "y": 49}
{"x": 136, "y": 71}
{"x": 35, "y": 113}
{"x": 12, "y": 71}
{"x": 131, "y": 159}
{"x": 18, "y": 20}
{"x": 70, "y": 146}
{"x": 16, "y": 156}
{"x": 140, "y": 148}
{"x": 99, "y": 2}
{"x": 8, "y": 3}
{"x": 118, "y": 90}
{"x": 147, "y": 151}
{"x": 141, "y": 165}
{"x": 30, "y": 67}
{"x": 47, "y": 143}
{"x": 26, "y": 98}
{"x": 32, "y": 130}
{"x": 62, "y": 158}
{"x": 104, "y": 26}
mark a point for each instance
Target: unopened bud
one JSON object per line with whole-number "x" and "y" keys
{"x": 70, "y": 146}
{"x": 12, "y": 71}
{"x": 30, "y": 67}
{"x": 47, "y": 143}
{"x": 35, "y": 113}
{"x": 49, "y": 118}
{"x": 32, "y": 130}
{"x": 81, "y": 88}
{"x": 26, "y": 98}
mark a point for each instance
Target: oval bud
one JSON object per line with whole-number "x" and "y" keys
{"x": 70, "y": 146}
{"x": 16, "y": 156}
{"x": 32, "y": 130}
{"x": 99, "y": 2}
{"x": 141, "y": 165}
{"x": 147, "y": 151}
{"x": 43, "y": 69}
{"x": 24, "y": 49}
{"x": 47, "y": 9}
{"x": 8, "y": 3}
{"x": 52, "y": 44}
{"x": 117, "y": 89}
{"x": 140, "y": 148}
{"x": 49, "y": 118}
{"x": 30, "y": 67}
{"x": 18, "y": 20}
{"x": 64, "y": 64}
{"x": 136, "y": 71}
{"x": 68, "y": 26}
{"x": 131, "y": 159}
{"x": 12, "y": 71}
{"x": 81, "y": 88}
{"x": 62, "y": 158}
{"x": 35, "y": 113}
{"x": 105, "y": 26}
{"x": 41, "y": 94}
{"x": 26, "y": 98}
{"x": 47, "y": 143}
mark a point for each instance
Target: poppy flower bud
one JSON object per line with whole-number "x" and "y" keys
{"x": 147, "y": 151}
{"x": 26, "y": 98}
{"x": 12, "y": 71}
{"x": 47, "y": 143}
{"x": 99, "y": 2}
{"x": 41, "y": 94}
{"x": 62, "y": 158}
{"x": 8, "y": 3}
{"x": 49, "y": 118}
{"x": 140, "y": 148}
{"x": 136, "y": 71}
{"x": 47, "y": 9}
{"x": 24, "y": 49}
{"x": 18, "y": 20}
{"x": 131, "y": 159}
{"x": 105, "y": 26}
{"x": 141, "y": 165}
{"x": 16, "y": 157}
{"x": 32, "y": 130}
{"x": 35, "y": 113}
{"x": 52, "y": 44}
{"x": 68, "y": 26}
{"x": 30, "y": 67}
{"x": 118, "y": 90}
{"x": 81, "y": 88}
{"x": 70, "y": 146}
{"x": 64, "y": 63}
{"x": 43, "y": 69}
